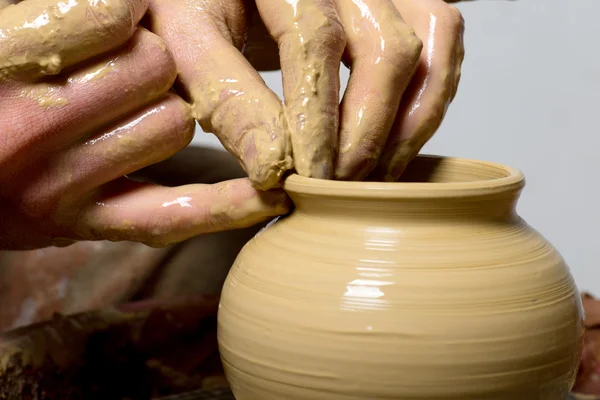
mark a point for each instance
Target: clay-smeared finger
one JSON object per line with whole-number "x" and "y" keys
{"x": 384, "y": 52}
{"x": 229, "y": 98}
{"x": 311, "y": 42}
{"x": 152, "y": 134}
{"x": 426, "y": 101}
{"x": 158, "y": 216}
{"x": 42, "y": 37}
{"x": 57, "y": 112}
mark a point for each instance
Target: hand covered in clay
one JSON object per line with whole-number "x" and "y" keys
{"x": 85, "y": 101}
{"x": 405, "y": 57}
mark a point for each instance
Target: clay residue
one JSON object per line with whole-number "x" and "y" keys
{"x": 229, "y": 98}
{"x": 46, "y": 95}
{"x": 250, "y": 123}
{"x": 53, "y": 94}
{"x": 42, "y": 37}
{"x": 145, "y": 349}
{"x": 311, "y": 89}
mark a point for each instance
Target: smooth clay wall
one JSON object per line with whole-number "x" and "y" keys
{"x": 530, "y": 98}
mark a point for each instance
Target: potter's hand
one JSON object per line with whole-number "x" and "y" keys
{"x": 400, "y": 87}
{"x": 405, "y": 57}
{"x": 84, "y": 100}
{"x": 424, "y": 102}
{"x": 229, "y": 98}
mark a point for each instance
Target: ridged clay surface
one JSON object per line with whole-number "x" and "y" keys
{"x": 428, "y": 289}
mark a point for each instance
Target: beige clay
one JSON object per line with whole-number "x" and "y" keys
{"x": 428, "y": 289}
{"x": 42, "y": 37}
{"x": 313, "y": 130}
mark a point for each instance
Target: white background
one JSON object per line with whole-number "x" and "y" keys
{"x": 529, "y": 97}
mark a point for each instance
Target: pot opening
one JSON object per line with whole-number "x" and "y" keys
{"x": 431, "y": 169}
{"x": 425, "y": 177}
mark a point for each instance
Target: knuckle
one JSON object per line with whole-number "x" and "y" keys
{"x": 333, "y": 35}
{"x": 152, "y": 62}
{"x": 157, "y": 54}
{"x": 157, "y": 229}
{"x": 446, "y": 77}
{"x": 114, "y": 18}
{"x": 454, "y": 18}
{"x": 39, "y": 203}
{"x": 316, "y": 27}
{"x": 403, "y": 45}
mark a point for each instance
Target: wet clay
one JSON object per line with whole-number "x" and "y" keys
{"x": 47, "y": 95}
{"x": 262, "y": 146}
{"x": 42, "y": 37}
{"x": 228, "y": 96}
{"x": 51, "y": 94}
{"x": 429, "y": 289}
{"x": 310, "y": 96}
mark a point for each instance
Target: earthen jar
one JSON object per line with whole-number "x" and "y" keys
{"x": 432, "y": 288}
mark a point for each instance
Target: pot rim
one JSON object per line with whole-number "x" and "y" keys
{"x": 502, "y": 179}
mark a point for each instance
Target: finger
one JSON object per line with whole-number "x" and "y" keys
{"x": 384, "y": 52}
{"x": 311, "y": 42}
{"x": 229, "y": 98}
{"x": 54, "y": 114}
{"x": 159, "y": 216}
{"x": 41, "y": 37}
{"x": 424, "y": 106}
{"x": 151, "y": 135}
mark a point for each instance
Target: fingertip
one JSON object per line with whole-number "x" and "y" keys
{"x": 181, "y": 118}
{"x": 267, "y": 177}
{"x": 246, "y": 201}
{"x": 139, "y": 9}
{"x": 311, "y": 40}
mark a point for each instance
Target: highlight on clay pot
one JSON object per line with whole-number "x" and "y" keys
{"x": 431, "y": 288}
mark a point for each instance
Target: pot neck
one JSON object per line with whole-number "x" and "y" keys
{"x": 433, "y": 189}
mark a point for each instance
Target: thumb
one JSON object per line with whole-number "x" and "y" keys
{"x": 159, "y": 216}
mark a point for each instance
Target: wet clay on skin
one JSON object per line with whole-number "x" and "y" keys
{"x": 228, "y": 96}
{"x": 262, "y": 148}
{"x": 42, "y": 37}
{"x": 313, "y": 126}
{"x": 429, "y": 289}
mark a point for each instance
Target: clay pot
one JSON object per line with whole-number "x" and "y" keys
{"x": 432, "y": 288}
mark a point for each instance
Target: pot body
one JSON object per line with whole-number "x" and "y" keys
{"x": 388, "y": 300}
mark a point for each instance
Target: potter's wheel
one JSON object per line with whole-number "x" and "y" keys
{"x": 220, "y": 394}
{"x": 225, "y": 394}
